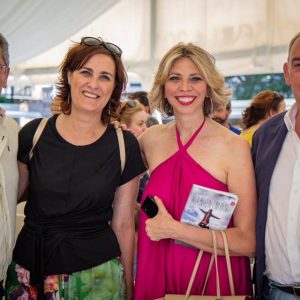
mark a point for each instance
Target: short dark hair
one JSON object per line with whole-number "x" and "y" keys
{"x": 292, "y": 42}
{"x": 141, "y": 96}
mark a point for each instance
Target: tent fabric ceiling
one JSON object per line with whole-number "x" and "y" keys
{"x": 244, "y": 36}
{"x": 34, "y": 26}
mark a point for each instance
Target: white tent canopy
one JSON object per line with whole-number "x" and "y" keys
{"x": 244, "y": 36}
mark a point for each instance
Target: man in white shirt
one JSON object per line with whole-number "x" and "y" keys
{"x": 9, "y": 175}
{"x": 276, "y": 156}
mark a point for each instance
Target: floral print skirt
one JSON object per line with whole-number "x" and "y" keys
{"x": 103, "y": 282}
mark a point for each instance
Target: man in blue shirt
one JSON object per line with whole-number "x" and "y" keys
{"x": 222, "y": 117}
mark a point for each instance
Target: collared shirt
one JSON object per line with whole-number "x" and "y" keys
{"x": 282, "y": 232}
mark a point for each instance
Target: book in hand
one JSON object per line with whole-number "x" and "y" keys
{"x": 209, "y": 208}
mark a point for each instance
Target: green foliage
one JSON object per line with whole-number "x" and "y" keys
{"x": 3, "y": 99}
{"x": 247, "y": 86}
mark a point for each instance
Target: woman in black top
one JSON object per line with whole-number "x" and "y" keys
{"x": 79, "y": 215}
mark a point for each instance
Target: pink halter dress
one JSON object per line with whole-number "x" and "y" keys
{"x": 165, "y": 267}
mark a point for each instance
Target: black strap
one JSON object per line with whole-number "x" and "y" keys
{"x": 1, "y": 289}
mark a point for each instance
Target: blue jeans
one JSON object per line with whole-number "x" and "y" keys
{"x": 272, "y": 292}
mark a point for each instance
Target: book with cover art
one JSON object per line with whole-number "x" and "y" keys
{"x": 209, "y": 208}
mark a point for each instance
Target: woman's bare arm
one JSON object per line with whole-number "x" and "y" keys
{"x": 23, "y": 179}
{"x": 123, "y": 226}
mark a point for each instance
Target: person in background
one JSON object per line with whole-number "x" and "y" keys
{"x": 151, "y": 121}
{"x": 264, "y": 105}
{"x": 193, "y": 149}
{"x": 142, "y": 97}
{"x": 134, "y": 116}
{"x": 9, "y": 175}
{"x": 78, "y": 236}
{"x": 276, "y": 157}
{"x": 222, "y": 114}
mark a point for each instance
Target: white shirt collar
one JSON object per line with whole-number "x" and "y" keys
{"x": 290, "y": 117}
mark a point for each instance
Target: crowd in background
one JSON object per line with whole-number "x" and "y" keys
{"x": 85, "y": 182}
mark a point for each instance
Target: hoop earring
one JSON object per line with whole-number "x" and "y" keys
{"x": 169, "y": 108}
{"x": 208, "y": 107}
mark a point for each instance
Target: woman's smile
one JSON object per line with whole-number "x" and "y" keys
{"x": 185, "y": 100}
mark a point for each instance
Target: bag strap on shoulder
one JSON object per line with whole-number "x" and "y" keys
{"x": 37, "y": 135}
{"x": 121, "y": 148}
{"x": 43, "y": 123}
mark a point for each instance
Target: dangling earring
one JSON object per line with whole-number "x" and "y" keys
{"x": 208, "y": 106}
{"x": 108, "y": 108}
{"x": 169, "y": 108}
{"x": 69, "y": 99}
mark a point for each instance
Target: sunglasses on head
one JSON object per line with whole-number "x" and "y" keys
{"x": 92, "y": 41}
{"x": 132, "y": 103}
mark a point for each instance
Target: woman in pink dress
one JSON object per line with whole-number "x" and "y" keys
{"x": 193, "y": 149}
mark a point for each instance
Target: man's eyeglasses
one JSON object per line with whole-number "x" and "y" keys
{"x": 92, "y": 41}
{"x": 2, "y": 68}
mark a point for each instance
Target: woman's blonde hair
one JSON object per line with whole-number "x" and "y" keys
{"x": 128, "y": 109}
{"x": 217, "y": 94}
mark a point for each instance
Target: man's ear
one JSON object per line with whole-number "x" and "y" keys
{"x": 5, "y": 77}
{"x": 272, "y": 112}
{"x": 286, "y": 73}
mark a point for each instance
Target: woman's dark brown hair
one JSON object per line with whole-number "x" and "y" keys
{"x": 260, "y": 107}
{"x": 75, "y": 58}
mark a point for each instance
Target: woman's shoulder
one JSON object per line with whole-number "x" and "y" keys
{"x": 154, "y": 135}
{"x": 226, "y": 139}
{"x": 30, "y": 127}
{"x": 157, "y": 131}
{"x": 130, "y": 141}
{"x": 129, "y": 138}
